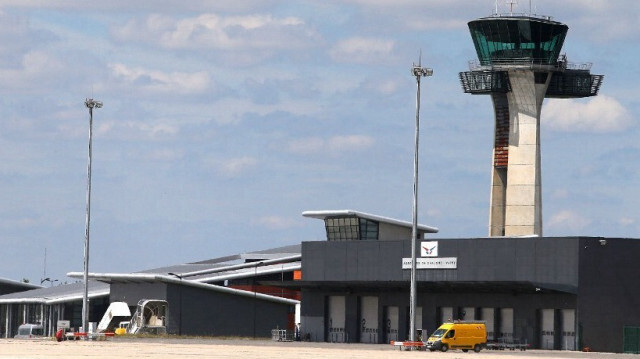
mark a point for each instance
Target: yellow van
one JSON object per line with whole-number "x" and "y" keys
{"x": 463, "y": 335}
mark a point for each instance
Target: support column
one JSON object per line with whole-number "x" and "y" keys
{"x": 6, "y": 332}
{"x": 523, "y": 205}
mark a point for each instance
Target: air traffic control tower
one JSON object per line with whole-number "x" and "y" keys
{"x": 519, "y": 64}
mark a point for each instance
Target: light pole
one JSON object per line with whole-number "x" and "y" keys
{"x": 90, "y": 104}
{"x": 418, "y": 71}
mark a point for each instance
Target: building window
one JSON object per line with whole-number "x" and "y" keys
{"x": 351, "y": 229}
{"x": 368, "y": 230}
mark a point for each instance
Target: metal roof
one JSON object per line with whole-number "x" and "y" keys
{"x": 351, "y": 213}
{"x": 15, "y": 283}
{"x": 57, "y": 294}
{"x": 148, "y": 278}
{"x": 243, "y": 265}
{"x": 197, "y": 270}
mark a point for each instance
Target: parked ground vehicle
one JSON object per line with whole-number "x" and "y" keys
{"x": 463, "y": 335}
{"x": 122, "y": 328}
{"x": 30, "y": 331}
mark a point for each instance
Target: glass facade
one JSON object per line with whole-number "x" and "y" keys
{"x": 517, "y": 39}
{"x": 351, "y": 229}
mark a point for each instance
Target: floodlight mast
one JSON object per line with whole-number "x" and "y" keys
{"x": 418, "y": 71}
{"x": 90, "y": 104}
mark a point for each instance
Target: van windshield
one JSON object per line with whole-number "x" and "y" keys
{"x": 439, "y": 333}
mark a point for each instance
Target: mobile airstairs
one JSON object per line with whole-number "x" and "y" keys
{"x": 150, "y": 317}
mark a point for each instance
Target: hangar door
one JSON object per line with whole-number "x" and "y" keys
{"x": 369, "y": 319}
{"x": 506, "y": 323}
{"x": 547, "y": 318}
{"x": 391, "y": 323}
{"x": 336, "y": 332}
{"x": 568, "y": 329}
{"x": 487, "y": 316}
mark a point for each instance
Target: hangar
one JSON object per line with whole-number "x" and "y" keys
{"x": 565, "y": 293}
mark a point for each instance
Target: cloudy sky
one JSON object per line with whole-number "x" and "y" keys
{"x": 224, "y": 120}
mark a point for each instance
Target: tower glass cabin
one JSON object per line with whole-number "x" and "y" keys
{"x": 519, "y": 65}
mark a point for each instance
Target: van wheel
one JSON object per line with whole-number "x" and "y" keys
{"x": 444, "y": 348}
{"x": 465, "y": 350}
{"x": 477, "y": 348}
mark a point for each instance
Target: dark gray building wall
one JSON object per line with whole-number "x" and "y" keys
{"x": 609, "y": 291}
{"x": 207, "y": 312}
{"x": 131, "y": 293}
{"x": 550, "y": 262}
{"x": 198, "y": 311}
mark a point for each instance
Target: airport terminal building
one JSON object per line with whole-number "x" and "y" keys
{"x": 567, "y": 293}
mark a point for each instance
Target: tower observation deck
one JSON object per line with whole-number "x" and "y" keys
{"x": 519, "y": 64}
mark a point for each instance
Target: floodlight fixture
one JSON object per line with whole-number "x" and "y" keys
{"x": 91, "y": 103}
{"x": 419, "y": 71}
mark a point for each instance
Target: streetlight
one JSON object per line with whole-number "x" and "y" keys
{"x": 90, "y": 104}
{"x": 418, "y": 71}
{"x": 51, "y": 281}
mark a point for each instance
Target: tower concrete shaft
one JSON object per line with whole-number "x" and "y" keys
{"x": 516, "y": 199}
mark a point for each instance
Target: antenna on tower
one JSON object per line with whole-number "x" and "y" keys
{"x": 496, "y": 8}
{"x": 511, "y": 3}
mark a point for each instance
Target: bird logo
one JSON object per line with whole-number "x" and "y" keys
{"x": 428, "y": 251}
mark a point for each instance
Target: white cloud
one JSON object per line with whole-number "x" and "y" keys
{"x": 36, "y": 68}
{"x": 307, "y": 145}
{"x": 385, "y": 87}
{"x": 362, "y": 50}
{"x": 332, "y": 145}
{"x": 275, "y": 222}
{"x": 568, "y": 220}
{"x": 229, "y": 167}
{"x": 605, "y": 20}
{"x": 626, "y": 221}
{"x": 212, "y": 31}
{"x": 349, "y": 143}
{"x": 158, "y": 81}
{"x": 437, "y": 24}
{"x": 165, "y": 154}
{"x": 21, "y": 222}
{"x": 599, "y": 114}
{"x": 235, "y": 166}
{"x": 135, "y": 130}
{"x": 560, "y": 194}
